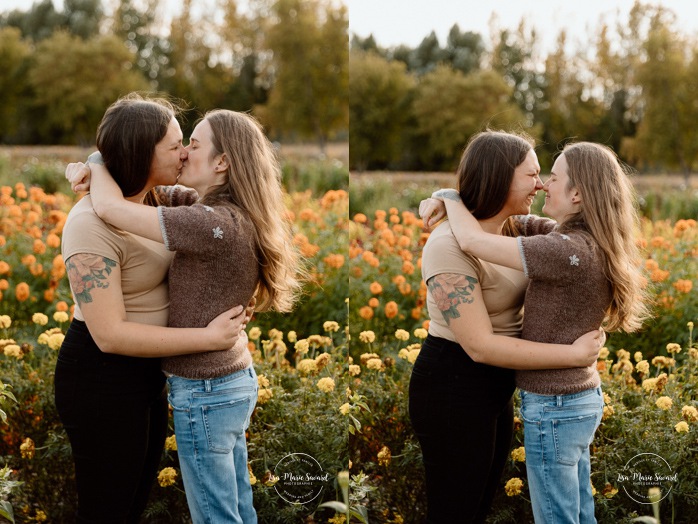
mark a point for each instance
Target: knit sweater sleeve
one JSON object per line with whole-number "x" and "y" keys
{"x": 202, "y": 230}
{"x": 531, "y": 225}
{"x": 556, "y": 257}
{"x": 172, "y": 196}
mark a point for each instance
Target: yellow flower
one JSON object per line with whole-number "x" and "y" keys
{"x": 13, "y": 350}
{"x": 365, "y": 357}
{"x": 167, "y": 477}
{"x": 264, "y": 395}
{"x": 519, "y": 454}
{"x": 254, "y": 333}
{"x": 253, "y": 479}
{"x": 664, "y": 403}
{"x": 292, "y": 336}
{"x": 354, "y": 370}
{"x": 345, "y": 408}
{"x": 39, "y": 319}
{"x": 330, "y": 326}
{"x": 637, "y": 356}
{"x": 384, "y": 456}
{"x": 673, "y": 347}
{"x": 262, "y": 381}
{"x": 275, "y": 334}
{"x": 367, "y": 337}
{"x": 401, "y": 334}
{"x": 375, "y": 363}
{"x": 606, "y": 398}
{"x": 61, "y": 316}
{"x": 603, "y": 353}
{"x": 40, "y": 516}
{"x": 623, "y": 354}
{"x": 689, "y": 413}
{"x": 322, "y": 360}
{"x": 5, "y": 321}
{"x": 325, "y": 384}
{"x": 693, "y": 352}
{"x": 337, "y": 519}
{"x": 690, "y": 325}
{"x": 681, "y": 427}
{"x": 607, "y": 412}
{"x": 302, "y": 346}
{"x": 421, "y": 333}
{"x": 412, "y": 355}
{"x": 27, "y": 448}
{"x": 643, "y": 367}
{"x": 55, "y": 340}
{"x": 171, "y": 443}
{"x": 43, "y": 339}
{"x": 403, "y": 353}
{"x": 307, "y": 366}
{"x": 513, "y": 486}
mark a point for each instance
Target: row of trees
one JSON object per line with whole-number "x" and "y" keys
{"x": 634, "y": 87}
{"x": 287, "y": 60}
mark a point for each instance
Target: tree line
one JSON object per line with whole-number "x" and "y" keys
{"x": 284, "y": 60}
{"x": 634, "y": 87}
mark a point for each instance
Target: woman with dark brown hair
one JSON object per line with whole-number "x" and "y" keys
{"x": 460, "y": 397}
{"x": 111, "y": 400}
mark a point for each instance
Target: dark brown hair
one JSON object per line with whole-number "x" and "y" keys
{"x": 486, "y": 171}
{"x": 127, "y": 135}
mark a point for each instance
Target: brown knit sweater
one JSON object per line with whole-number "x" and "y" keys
{"x": 214, "y": 268}
{"x": 567, "y": 297}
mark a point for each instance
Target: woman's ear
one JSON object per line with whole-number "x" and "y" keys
{"x": 576, "y": 197}
{"x": 222, "y": 164}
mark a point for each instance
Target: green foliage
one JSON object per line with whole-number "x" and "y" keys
{"x": 378, "y": 107}
{"x": 318, "y": 176}
{"x": 310, "y": 53}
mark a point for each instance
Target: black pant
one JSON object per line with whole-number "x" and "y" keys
{"x": 114, "y": 409}
{"x": 462, "y": 414}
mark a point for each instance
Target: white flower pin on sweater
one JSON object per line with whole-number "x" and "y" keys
{"x": 565, "y": 237}
{"x": 218, "y": 233}
{"x": 574, "y": 260}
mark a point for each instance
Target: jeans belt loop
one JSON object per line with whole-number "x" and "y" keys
{"x": 207, "y": 385}
{"x": 559, "y": 401}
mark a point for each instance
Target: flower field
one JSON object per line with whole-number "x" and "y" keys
{"x": 334, "y": 375}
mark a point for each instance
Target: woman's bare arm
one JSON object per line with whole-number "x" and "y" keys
{"x": 459, "y": 298}
{"x": 96, "y": 284}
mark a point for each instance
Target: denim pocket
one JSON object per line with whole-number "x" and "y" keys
{"x": 225, "y": 423}
{"x": 573, "y": 436}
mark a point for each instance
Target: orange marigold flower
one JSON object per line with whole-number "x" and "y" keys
{"x": 399, "y": 279}
{"x": 28, "y": 260}
{"x": 366, "y": 313}
{"x": 53, "y": 240}
{"x": 425, "y": 324}
{"x": 4, "y": 284}
{"x": 355, "y": 251}
{"x": 3, "y": 241}
{"x": 404, "y": 288}
{"x": 306, "y": 214}
{"x": 407, "y": 267}
{"x": 683, "y": 286}
{"x": 356, "y": 271}
{"x": 380, "y": 214}
{"x": 373, "y": 302}
{"x": 657, "y": 241}
{"x": 61, "y": 306}
{"x": 651, "y": 264}
{"x": 375, "y": 288}
{"x": 416, "y": 313}
{"x": 393, "y": 211}
{"x": 22, "y": 291}
{"x": 360, "y": 218}
{"x": 404, "y": 241}
{"x": 309, "y": 250}
{"x": 336, "y": 261}
{"x": 394, "y": 219}
{"x": 391, "y": 309}
{"x": 49, "y": 295}
{"x": 4, "y": 267}
{"x": 659, "y": 275}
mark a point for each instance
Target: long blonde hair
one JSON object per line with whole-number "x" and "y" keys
{"x": 609, "y": 215}
{"x": 253, "y": 184}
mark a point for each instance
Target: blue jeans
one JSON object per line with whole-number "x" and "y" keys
{"x": 210, "y": 418}
{"x": 558, "y": 430}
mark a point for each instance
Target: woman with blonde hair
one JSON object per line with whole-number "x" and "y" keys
{"x": 584, "y": 272}
{"x": 232, "y": 243}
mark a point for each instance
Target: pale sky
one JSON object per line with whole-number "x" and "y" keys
{"x": 394, "y": 22}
